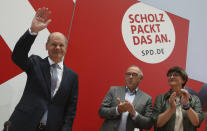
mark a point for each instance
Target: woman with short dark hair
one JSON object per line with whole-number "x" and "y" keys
{"x": 177, "y": 110}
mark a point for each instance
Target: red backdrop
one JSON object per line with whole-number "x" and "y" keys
{"x": 99, "y": 55}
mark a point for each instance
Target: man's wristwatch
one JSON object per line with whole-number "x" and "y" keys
{"x": 186, "y": 106}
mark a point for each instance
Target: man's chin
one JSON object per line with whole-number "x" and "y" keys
{"x": 57, "y": 59}
{"x": 131, "y": 86}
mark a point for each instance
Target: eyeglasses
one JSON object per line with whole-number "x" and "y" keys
{"x": 173, "y": 74}
{"x": 128, "y": 74}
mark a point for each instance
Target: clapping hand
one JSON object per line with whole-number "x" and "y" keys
{"x": 126, "y": 106}
{"x": 172, "y": 100}
{"x": 130, "y": 108}
{"x": 122, "y": 107}
{"x": 185, "y": 96}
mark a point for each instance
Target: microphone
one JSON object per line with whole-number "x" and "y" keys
{"x": 7, "y": 124}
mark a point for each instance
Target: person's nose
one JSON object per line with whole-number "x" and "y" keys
{"x": 172, "y": 76}
{"x": 130, "y": 76}
{"x": 57, "y": 47}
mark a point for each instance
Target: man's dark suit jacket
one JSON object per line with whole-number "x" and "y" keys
{"x": 36, "y": 98}
{"x": 142, "y": 104}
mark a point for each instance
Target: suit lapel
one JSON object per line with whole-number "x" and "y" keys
{"x": 122, "y": 93}
{"x": 47, "y": 76}
{"x": 137, "y": 98}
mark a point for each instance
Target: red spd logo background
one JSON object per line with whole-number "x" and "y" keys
{"x": 98, "y": 54}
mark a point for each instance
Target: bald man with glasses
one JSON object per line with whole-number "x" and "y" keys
{"x": 127, "y": 108}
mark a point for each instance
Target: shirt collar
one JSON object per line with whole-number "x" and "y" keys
{"x": 131, "y": 93}
{"x": 60, "y": 64}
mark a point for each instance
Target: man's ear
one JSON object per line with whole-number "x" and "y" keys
{"x": 140, "y": 78}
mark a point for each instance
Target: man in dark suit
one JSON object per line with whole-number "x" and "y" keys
{"x": 127, "y": 108}
{"x": 50, "y": 96}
